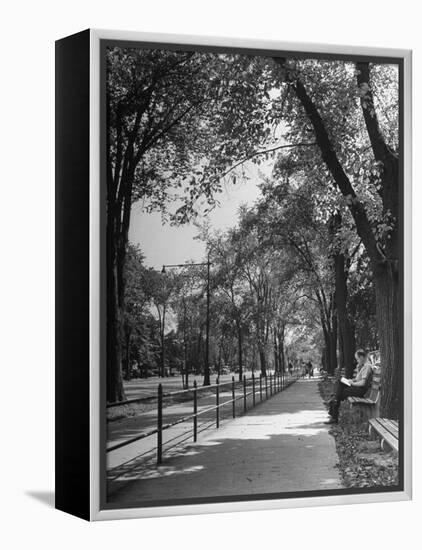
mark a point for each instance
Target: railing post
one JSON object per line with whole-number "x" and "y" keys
{"x": 271, "y": 384}
{"x": 260, "y": 387}
{"x": 266, "y": 386}
{"x": 244, "y": 394}
{"x": 217, "y": 403}
{"x": 195, "y": 411}
{"x": 233, "y": 397}
{"x": 160, "y": 424}
{"x": 253, "y": 389}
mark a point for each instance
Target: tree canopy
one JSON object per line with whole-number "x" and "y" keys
{"x": 316, "y": 256}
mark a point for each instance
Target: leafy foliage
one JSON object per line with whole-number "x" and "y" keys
{"x": 183, "y": 123}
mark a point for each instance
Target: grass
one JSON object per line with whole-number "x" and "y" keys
{"x": 135, "y": 409}
{"x": 127, "y": 411}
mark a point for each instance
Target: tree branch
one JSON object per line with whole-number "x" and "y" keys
{"x": 256, "y": 153}
{"x": 380, "y": 148}
{"x": 383, "y": 153}
{"x": 330, "y": 158}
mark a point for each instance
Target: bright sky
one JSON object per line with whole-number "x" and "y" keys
{"x": 164, "y": 244}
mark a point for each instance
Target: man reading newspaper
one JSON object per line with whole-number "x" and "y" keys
{"x": 356, "y": 386}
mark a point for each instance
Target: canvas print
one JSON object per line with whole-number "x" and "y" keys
{"x": 253, "y": 274}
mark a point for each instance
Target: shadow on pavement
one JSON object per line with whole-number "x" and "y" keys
{"x": 265, "y": 451}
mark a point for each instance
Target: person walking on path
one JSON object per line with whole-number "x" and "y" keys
{"x": 356, "y": 387}
{"x": 310, "y": 369}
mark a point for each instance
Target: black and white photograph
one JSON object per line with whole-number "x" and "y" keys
{"x": 210, "y": 275}
{"x": 253, "y": 268}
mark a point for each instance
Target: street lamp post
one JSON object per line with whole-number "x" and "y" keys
{"x": 207, "y": 380}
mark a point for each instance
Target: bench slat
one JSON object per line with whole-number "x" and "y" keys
{"x": 390, "y": 426}
{"x": 394, "y": 424}
{"x": 363, "y": 400}
{"x": 384, "y": 423}
{"x": 378, "y": 425}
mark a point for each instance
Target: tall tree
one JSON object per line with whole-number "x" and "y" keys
{"x": 289, "y": 218}
{"x": 168, "y": 113}
{"x": 381, "y": 239}
{"x": 229, "y": 281}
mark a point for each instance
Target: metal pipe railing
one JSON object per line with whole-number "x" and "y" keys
{"x": 277, "y": 383}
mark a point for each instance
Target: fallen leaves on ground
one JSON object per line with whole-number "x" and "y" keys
{"x": 362, "y": 463}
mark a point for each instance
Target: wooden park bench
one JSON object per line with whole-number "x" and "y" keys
{"x": 368, "y": 406}
{"x": 388, "y": 430}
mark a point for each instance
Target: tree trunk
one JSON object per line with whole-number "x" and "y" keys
{"x": 115, "y": 390}
{"x": 387, "y": 304}
{"x": 383, "y": 255}
{"x": 126, "y": 356}
{"x": 197, "y": 359}
{"x": 333, "y": 344}
{"x": 276, "y": 352}
{"x": 324, "y": 359}
{"x": 345, "y": 332}
{"x": 282, "y": 360}
{"x": 262, "y": 359}
{"x": 240, "y": 351}
{"x": 340, "y": 348}
{"x": 330, "y": 352}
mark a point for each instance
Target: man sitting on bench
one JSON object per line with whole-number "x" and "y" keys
{"x": 356, "y": 387}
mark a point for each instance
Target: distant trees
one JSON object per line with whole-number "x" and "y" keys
{"x": 256, "y": 279}
{"x": 228, "y": 282}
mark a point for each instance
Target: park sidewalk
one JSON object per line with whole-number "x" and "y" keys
{"x": 282, "y": 445}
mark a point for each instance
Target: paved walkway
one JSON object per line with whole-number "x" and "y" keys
{"x": 282, "y": 445}
{"x": 119, "y": 431}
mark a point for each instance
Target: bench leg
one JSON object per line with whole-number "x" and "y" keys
{"x": 363, "y": 412}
